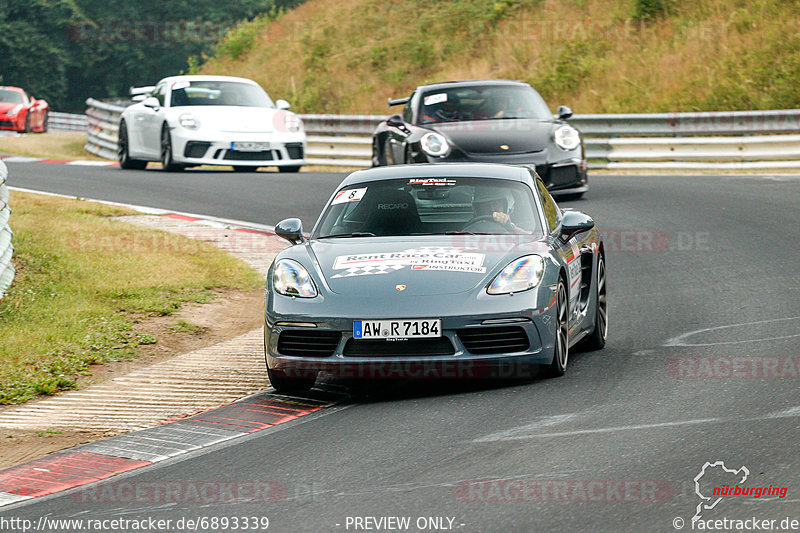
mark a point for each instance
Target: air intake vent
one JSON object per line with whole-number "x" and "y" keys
{"x": 308, "y": 343}
{"x": 231, "y": 155}
{"x": 406, "y": 348}
{"x": 482, "y": 341}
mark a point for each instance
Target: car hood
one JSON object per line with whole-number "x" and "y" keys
{"x": 383, "y": 266}
{"x": 488, "y": 136}
{"x": 235, "y": 119}
{"x": 5, "y": 107}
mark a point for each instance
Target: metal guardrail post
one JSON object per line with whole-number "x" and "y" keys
{"x": 7, "y": 271}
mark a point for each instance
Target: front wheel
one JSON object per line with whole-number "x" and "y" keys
{"x": 561, "y": 345}
{"x": 167, "y": 162}
{"x": 44, "y": 121}
{"x": 283, "y": 383}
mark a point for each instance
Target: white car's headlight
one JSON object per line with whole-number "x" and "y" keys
{"x": 17, "y": 108}
{"x": 292, "y": 122}
{"x": 189, "y": 121}
{"x": 435, "y": 144}
{"x": 567, "y": 138}
{"x": 519, "y": 275}
{"x": 291, "y": 279}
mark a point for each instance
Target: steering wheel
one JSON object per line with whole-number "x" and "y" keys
{"x": 491, "y": 220}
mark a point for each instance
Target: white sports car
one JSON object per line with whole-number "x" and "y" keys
{"x": 209, "y": 120}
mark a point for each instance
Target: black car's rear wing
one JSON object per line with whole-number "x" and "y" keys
{"x": 398, "y": 101}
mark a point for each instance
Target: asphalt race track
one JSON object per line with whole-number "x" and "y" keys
{"x": 701, "y": 366}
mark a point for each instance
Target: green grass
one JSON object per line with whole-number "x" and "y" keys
{"x": 598, "y": 56}
{"x": 83, "y": 279}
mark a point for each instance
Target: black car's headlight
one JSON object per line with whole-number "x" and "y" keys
{"x": 291, "y": 279}
{"x": 435, "y": 144}
{"x": 519, "y": 275}
{"x": 567, "y": 138}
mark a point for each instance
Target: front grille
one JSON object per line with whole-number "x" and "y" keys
{"x": 233, "y": 155}
{"x": 403, "y": 348}
{"x": 196, "y": 149}
{"x": 295, "y": 150}
{"x": 487, "y": 340}
{"x": 560, "y": 176}
{"x": 308, "y": 343}
{"x": 6, "y": 124}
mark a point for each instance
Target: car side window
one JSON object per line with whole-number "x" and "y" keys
{"x": 551, "y": 211}
{"x": 160, "y": 93}
{"x": 407, "y": 112}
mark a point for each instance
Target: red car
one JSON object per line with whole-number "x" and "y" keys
{"x": 22, "y": 112}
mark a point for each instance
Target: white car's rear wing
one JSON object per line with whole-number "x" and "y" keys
{"x": 135, "y": 91}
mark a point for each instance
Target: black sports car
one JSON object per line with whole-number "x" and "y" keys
{"x": 487, "y": 121}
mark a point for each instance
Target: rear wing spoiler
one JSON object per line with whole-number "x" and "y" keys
{"x": 135, "y": 91}
{"x": 398, "y": 101}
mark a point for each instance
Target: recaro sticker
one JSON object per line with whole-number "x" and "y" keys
{"x": 434, "y": 99}
{"x": 349, "y": 195}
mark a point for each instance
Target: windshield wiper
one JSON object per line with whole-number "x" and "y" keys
{"x": 354, "y": 234}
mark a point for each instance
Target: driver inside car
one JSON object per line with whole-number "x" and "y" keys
{"x": 496, "y": 205}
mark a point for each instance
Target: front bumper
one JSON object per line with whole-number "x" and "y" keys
{"x": 351, "y": 358}
{"x": 194, "y": 148}
{"x": 15, "y": 123}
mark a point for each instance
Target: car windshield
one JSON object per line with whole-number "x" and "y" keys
{"x": 11, "y": 97}
{"x": 227, "y": 93}
{"x": 491, "y": 102}
{"x": 430, "y": 206}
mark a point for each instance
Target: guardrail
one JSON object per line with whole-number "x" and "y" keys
{"x": 65, "y": 121}
{"x": 7, "y": 271}
{"x": 712, "y": 140}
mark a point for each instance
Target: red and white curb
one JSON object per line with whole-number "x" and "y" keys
{"x": 78, "y": 162}
{"x": 88, "y": 463}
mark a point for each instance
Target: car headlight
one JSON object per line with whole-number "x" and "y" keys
{"x": 16, "y": 109}
{"x": 189, "y": 121}
{"x": 291, "y": 279}
{"x": 567, "y": 138}
{"x": 292, "y": 122}
{"x": 519, "y": 275}
{"x": 435, "y": 144}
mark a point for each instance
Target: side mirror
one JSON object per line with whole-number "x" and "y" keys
{"x": 151, "y": 102}
{"x": 395, "y": 121}
{"x": 282, "y": 104}
{"x": 564, "y": 112}
{"x": 574, "y": 221}
{"x": 290, "y": 229}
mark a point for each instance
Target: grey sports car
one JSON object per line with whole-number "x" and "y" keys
{"x": 435, "y": 270}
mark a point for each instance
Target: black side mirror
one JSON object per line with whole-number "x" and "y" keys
{"x": 564, "y": 112}
{"x": 574, "y": 221}
{"x": 290, "y": 229}
{"x": 395, "y": 121}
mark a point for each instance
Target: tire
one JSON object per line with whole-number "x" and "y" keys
{"x": 44, "y": 123}
{"x": 125, "y": 161}
{"x": 290, "y": 170}
{"x": 597, "y": 339}
{"x": 561, "y": 346}
{"x": 27, "y": 127}
{"x": 167, "y": 162}
{"x": 283, "y": 383}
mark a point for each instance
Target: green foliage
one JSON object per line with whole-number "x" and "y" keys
{"x": 650, "y": 9}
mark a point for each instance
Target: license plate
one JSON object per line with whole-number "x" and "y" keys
{"x": 249, "y": 147}
{"x": 397, "y": 329}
